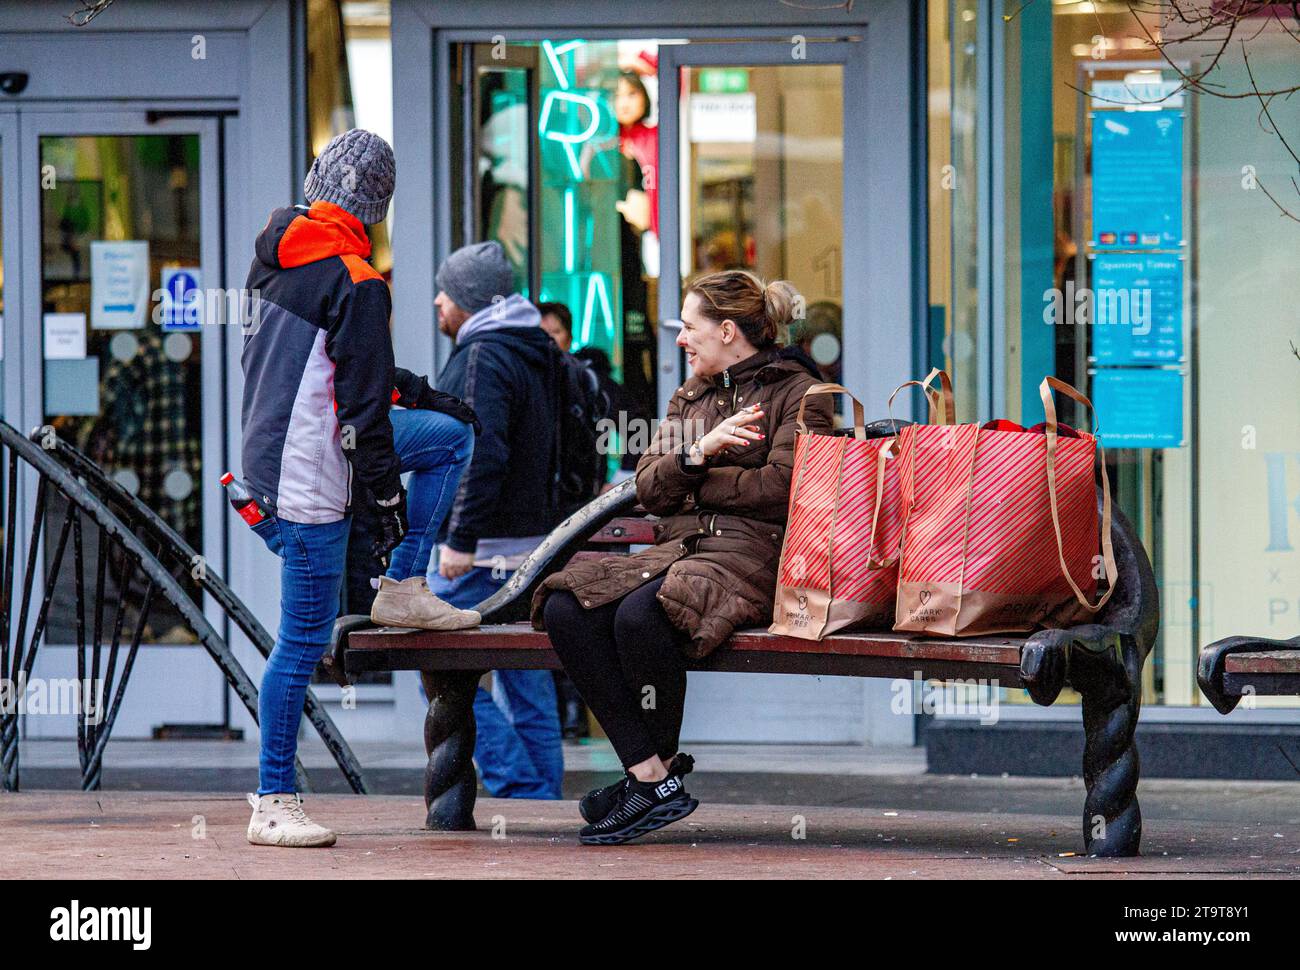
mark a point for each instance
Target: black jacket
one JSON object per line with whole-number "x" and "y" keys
{"x": 510, "y": 377}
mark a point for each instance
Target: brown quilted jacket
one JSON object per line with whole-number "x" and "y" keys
{"x": 721, "y": 525}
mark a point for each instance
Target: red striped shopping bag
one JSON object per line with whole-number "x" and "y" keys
{"x": 1001, "y": 530}
{"x": 845, "y": 508}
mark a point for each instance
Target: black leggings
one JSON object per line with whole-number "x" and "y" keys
{"x": 626, "y": 659}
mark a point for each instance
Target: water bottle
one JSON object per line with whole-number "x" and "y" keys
{"x": 241, "y": 501}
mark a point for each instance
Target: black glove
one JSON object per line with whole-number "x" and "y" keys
{"x": 413, "y": 391}
{"x": 392, "y": 524}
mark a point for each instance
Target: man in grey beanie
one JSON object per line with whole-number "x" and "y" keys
{"x": 508, "y": 369}
{"x": 319, "y": 383}
{"x": 475, "y": 276}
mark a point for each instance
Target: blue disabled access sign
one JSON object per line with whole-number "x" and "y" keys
{"x": 1139, "y": 407}
{"x": 182, "y": 298}
{"x": 1137, "y": 309}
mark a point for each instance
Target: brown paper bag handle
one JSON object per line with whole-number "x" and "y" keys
{"x": 1107, "y": 548}
{"x": 892, "y": 447}
{"x": 940, "y": 401}
{"x": 943, "y": 411}
{"x": 859, "y": 418}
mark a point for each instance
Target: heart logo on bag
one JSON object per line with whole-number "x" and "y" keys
{"x": 803, "y": 601}
{"x": 924, "y": 596}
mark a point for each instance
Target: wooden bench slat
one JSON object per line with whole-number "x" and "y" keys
{"x": 886, "y": 654}
{"x": 521, "y": 636}
{"x": 1269, "y": 662}
{"x": 639, "y": 532}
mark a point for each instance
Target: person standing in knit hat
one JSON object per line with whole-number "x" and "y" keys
{"x": 507, "y": 368}
{"x": 319, "y": 382}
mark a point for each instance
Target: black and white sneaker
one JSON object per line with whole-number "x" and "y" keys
{"x": 642, "y": 807}
{"x": 599, "y": 802}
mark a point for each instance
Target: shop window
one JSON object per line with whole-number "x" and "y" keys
{"x": 562, "y": 172}
{"x": 349, "y": 85}
{"x": 1142, "y": 264}
{"x": 561, "y": 165}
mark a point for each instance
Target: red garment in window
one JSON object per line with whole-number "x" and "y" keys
{"x": 641, "y": 142}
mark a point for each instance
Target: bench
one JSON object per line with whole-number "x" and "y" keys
{"x": 1101, "y": 660}
{"x": 1238, "y": 667}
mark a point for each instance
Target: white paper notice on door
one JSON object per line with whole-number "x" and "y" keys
{"x": 119, "y": 284}
{"x": 65, "y": 336}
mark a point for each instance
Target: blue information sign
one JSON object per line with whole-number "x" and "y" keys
{"x": 1137, "y": 309}
{"x": 1137, "y": 180}
{"x": 1139, "y": 407}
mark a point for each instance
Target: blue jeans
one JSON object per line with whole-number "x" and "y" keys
{"x": 435, "y": 448}
{"x": 518, "y": 748}
{"x": 312, "y": 563}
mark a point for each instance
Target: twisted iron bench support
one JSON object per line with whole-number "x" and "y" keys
{"x": 1103, "y": 661}
{"x": 450, "y": 785}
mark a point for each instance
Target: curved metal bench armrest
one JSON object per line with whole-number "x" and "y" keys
{"x": 1211, "y": 665}
{"x": 1129, "y": 621}
{"x": 512, "y": 601}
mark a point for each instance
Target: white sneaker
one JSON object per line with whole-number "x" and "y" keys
{"x": 411, "y": 604}
{"x": 280, "y": 820}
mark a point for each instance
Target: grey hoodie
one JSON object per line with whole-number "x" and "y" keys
{"x": 513, "y": 311}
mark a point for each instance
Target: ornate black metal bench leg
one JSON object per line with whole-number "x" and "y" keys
{"x": 1110, "y": 681}
{"x": 450, "y": 785}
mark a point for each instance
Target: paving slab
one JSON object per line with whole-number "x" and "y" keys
{"x": 178, "y": 835}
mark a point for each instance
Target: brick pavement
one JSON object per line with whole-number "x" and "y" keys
{"x": 120, "y": 835}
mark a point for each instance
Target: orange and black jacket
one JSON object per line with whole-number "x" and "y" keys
{"x": 318, "y": 367}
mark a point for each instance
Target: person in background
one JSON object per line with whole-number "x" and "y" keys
{"x": 318, "y": 383}
{"x": 507, "y": 368}
{"x": 639, "y": 141}
{"x": 558, "y": 322}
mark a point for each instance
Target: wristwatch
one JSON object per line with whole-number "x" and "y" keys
{"x": 695, "y": 453}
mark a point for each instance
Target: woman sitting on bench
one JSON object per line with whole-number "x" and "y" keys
{"x": 718, "y": 474}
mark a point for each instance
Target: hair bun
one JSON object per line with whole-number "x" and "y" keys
{"x": 779, "y": 300}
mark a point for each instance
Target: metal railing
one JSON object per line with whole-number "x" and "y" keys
{"x": 138, "y": 562}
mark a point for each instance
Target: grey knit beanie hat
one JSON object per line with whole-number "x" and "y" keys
{"x": 356, "y": 172}
{"x": 474, "y": 274}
